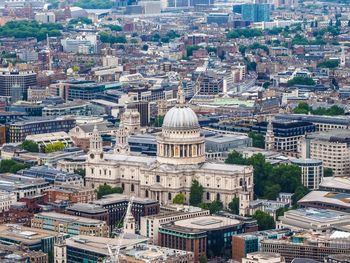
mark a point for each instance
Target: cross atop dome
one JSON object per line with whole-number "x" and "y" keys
{"x": 180, "y": 95}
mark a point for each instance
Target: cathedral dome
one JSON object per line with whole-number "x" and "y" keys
{"x": 180, "y": 117}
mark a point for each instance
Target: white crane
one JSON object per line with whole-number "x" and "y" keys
{"x": 114, "y": 257}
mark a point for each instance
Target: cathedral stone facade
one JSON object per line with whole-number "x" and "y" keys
{"x": 180, "y": 160}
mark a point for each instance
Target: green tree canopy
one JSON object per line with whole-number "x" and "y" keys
{"x": 30, "y": 146}
{"x": 112, "y": 39}
{"x": 299, "y": 80}
{"x": 265, "y": 221}
{"x": 54, "y": 147}
{"x": 83, "y": 20}
{"x": 258, "y": 140}
{"x": 196, "y": 193}
{"x": 234, "y": 205}
{"x": 244, "y": 33}
{"x": 94, "y": 4}
{"x": 190, "y": 49}
{"x": 106, "y": 189}
{"x": 115, "y": 28}
{"x": 304, "y": 108}
{"x": 11, "y": 166}
{"x": 331, "y": 64}
{"x": 179, "y": 199}
{"x": 327, "y": 172}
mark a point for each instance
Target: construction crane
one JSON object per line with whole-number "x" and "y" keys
{"x": 114, "y": 257}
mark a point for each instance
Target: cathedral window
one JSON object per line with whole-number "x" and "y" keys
{"x": 146, "y": 193}
{"x": 92, "y": 170}
{"x": 169, "y": 196}
{"x": 157, "y": 178}
{"x": 218, "y": 196}
{"x": 208, "y": 196}
{"x": 132, "y": 188}
{"x": 123, "y": 186}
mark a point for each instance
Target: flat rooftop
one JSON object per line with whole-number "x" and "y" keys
{"x": 99, "y": 244}
{"x": 334, "y": 135}
{"x": 69, "y": 218}
{"x": 87, "y": 208}
{"x": 207, "y": 222}
{"x": 152, "y": 252}
{"x": 339, "y": 199}
{"x": 25, "y": 235}
{"x": 114, "y": 198}
{"x": 336, "y": 183}
{"x": 319, "y": 215}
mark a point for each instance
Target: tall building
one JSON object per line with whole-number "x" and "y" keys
{"x": 9, "y": 80}
{"x": 256, "y": 12}
{"x": 332, "y": 147}
{"x": 311, "y": 172}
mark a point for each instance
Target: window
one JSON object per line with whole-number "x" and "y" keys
{"x": 218, "y": 196}
{"x": 132, "y": 188}
{"x": 208, "y": 196}
{"x": 169, "y": 196}
{"x": 146, "y": 193}
{"x": 157, "y": 178}
{"x": 123, "y": 186}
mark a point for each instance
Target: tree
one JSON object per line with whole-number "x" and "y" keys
{"x": 179, "y": 199}
{"x": 112, "y": 39}
{"x": 299, "y": 80}
{"x": 299, "y": 193}
{"x": 190, "y": 49}
{"x": 107, "y": 189}
{"x": 30, "y": 146}
{"x": 236, "y": 158}
{"x": 234, "y": 205}
{"x": 271, "y": 191}
{"x": 280, "y": 211}
{"x": 115, "y": 28}
{"x": 94, "y": 4}
{"x": 81, "y": 172}
{"x": 203, "y": 259}
{"x": 251, "y": 66}
{"x": 258, "y": 139}
{"x": 302, "y": 108}
{"x": 158, "y": 122}
{"x": 327, "y": 172}
{"x": 11, "y": 166}
{"x": 215, "y": 206}
{"x": 196, "y": 193}
{"x": 266, "y": 84}
{"x": 264, "y": 220}
{"x": 331, "y": 64}
{"x": 54, "y": 147}
{"x": 145, "y": 47}
{"x": 245, "y": 32}
{"x": 83, "y": 20}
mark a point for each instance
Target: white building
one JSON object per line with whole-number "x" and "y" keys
{"x": 6, "y": 200}
{"x": 263, "y": 257}
{"x": 180, "y": 160}
{"x": 48, "y": 17}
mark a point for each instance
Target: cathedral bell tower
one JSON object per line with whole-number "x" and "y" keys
{"x": 269, "y": 137}
{"x": 96, "y": 147}
{"x": 121, "y": 144}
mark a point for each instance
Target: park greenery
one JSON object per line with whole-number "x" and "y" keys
{"x": 54, "y": 147}
{"x": 270, "y": 180}
{"x": 24, "y": 29}
{"x": 304, "y": 108}
{"x": 258, "y": 139}
{"x": 331, "y": 64}
{"x": 30, "y": 146}
{"x": 94, "y": 4}
{"x": 112, "y": 39}
{"x": 11, "y": 166}
{"x": 234, "y": 206}
{"x": 106, "y": 189}
{"x": 300, "y": 80}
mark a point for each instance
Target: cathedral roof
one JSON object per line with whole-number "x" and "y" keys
{"x": 181, "y": 116}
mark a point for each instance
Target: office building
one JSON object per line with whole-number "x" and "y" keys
{"x": 335, "y": 184}
{"x": 143, "y": 107}
{"x": 263, "y": 257}
{"x": 48, "y": 17}
{"x": 226, "y": 142}
{"x": 17, "y": 254}
{"x": 23, "y": 186}
{"x": 116, "y": 204}
{"x": 89, "y": 211}
{"x": 323, "y": 123}
{"x": 94, "y": 249}
{"x": 337, "y": 258}
{"x": 331, "y": 147}
{"x": 149, "y": 225}
{"x": 26, "y": 108}
{"x": 29, "y": 238}
{"x": 245, "y": 243}
{"x": 49, "y": 138}
{"x": 308, "y": 245}
{"x": 318, "y": 220}
{"x": 205, "y": 235}
{"x": 77, "y": 107}
{"x": 326, "y": 200}
{"x": 69, "y": 224}
{"x": 53, "y": 176}
{"x": 287, "y": 135}
{"x": 256, "y": 12}
{"x": 311, "y": 172}
{"x": 211, "y": 83}
{"x": 6, "y": 200}
{"x": 218, "y": 18}
{"x": 18, "y": 131}
{"x": 9, "y": 80}
{"x": 143, "y": 143}
{"x": 68, "y": 192}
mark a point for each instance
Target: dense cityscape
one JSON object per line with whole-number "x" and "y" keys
{"x": 177, "y": 131}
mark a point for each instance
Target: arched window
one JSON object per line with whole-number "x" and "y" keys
{"x": 132, "y": 188}
{"x": 218, "y": 196}
{"x": 146, "y": 193}
{"x": 169, "y": 196}
{"x": 208, "y": 196}
{"x": 240, "y": 182}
